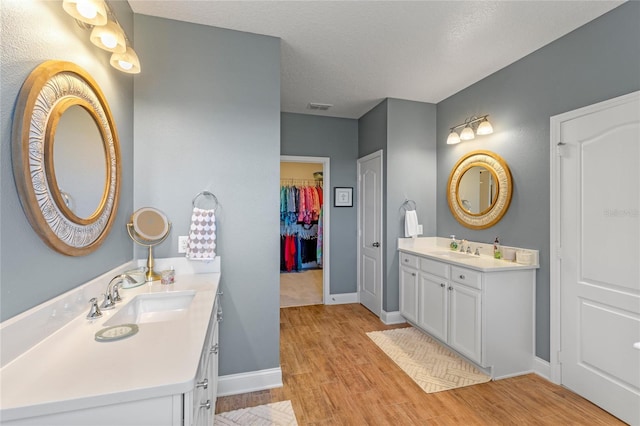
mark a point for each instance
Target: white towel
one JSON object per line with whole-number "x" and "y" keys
{"x": 410, "y": 223}
{"x": 202, "y": 235}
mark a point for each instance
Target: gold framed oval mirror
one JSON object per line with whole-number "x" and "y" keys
{"x": 479, "y": 189}
{"x": 66, "y": 158}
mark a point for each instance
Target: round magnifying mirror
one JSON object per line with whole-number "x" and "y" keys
{"x": 149, "y": 227}
{"x": 150, "y": 224}
{"x": 477, "y": 191}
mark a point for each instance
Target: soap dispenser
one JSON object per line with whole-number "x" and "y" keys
{"x": 497, "y": 252}
{"x": 454, "y": 244}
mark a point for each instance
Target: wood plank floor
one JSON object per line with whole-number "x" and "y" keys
{"x": 335, "y": 375}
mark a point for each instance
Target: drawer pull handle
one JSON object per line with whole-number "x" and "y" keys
{"x": 206, "y": 405}
{"x": 450, "y": 288}
{"x": 203, "y": 384}
{"x": 406, "y": 260}
{"x": 442, "y": 284}
{"x": 461, "y": 277}
{"x": 413, "y": 274}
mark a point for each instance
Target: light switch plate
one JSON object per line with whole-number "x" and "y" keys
{"x": 183, "y": 240}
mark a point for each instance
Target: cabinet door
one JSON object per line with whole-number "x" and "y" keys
{"x": 465, "y": 323}
{"x": 409, "y": 293}
{"x": 433, "y": 306}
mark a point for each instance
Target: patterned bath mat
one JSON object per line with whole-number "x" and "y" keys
{"x": 277, "y": 413}
{"x": 432, "y": 366}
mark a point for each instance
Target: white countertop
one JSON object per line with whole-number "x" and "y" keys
{"x": 70, "y": 370}
{"x": 438, "y": 249}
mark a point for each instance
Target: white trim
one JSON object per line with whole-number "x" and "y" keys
{"x": 343, "y": 299}
{"x": 326, "y": 216}
{"x": 233, "y": 384}
{"x": 368, "y": 157}
{"x": 392, "y": 318}
{"x": 542, "y": 368}
{"x": 555, "y": 344}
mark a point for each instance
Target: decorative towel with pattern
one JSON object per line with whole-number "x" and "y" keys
{"x": 202, "y": 235}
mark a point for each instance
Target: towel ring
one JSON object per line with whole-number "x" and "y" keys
{"x": 203, "y": 199}
{"x": 408, "y": 205}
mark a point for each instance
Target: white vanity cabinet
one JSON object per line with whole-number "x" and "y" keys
{"x": 164, "y": 375}
{"x": 203, "y": 397}
{"x": 409, "y": 287}
{"x": 486, "y": 316}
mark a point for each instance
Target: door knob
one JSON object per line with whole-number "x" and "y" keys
{"x": 376, "y": 244}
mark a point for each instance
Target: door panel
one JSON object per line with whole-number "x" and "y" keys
{"x": 599, "y": 267}
{"x": 370, "y": 232}
{"x": 433, "y": 306}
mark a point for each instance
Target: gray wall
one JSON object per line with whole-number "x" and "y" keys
{"x": 598, "y": 61}
{"x": 31, "y": 33}
{"x": 208, "y": 118}
{"x": 411, "y": 175}
{"x": 336, "y": 138}
{"x": 406, "y": 132}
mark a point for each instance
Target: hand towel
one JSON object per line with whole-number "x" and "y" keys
{"x": 410, "y": 223}
{"x": 202, "y": 235}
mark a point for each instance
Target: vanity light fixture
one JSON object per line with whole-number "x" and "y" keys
{"x": 472, "y": 126}
{"x": 92, "y": 12}
{"x": 106, "y": 32}
{"x": 109, "y": 37}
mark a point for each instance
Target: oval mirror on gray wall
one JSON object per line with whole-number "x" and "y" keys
{"x": 68, "y": 182}
{"x": 479, "y": 189}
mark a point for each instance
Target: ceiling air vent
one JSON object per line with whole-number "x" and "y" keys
{"x": 319, "y": 107}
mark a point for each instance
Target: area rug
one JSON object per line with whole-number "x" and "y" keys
{"x": 277, "y": 413}
{"x": 432, "y": 366}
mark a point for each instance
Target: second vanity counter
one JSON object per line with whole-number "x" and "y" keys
{"x": 70, "y": 370}
{"x": 437, "y": 248}
{"x": 478, "y": 306}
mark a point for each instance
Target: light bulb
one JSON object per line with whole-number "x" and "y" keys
{"x": 126, "y": 62}
{"x": 92, "y": 12}
{"x": 109, "y": 37}
{"x": 484, "y": 128}
{"x": 467, "y": 134}
{"x": 109, "y": 40}
{"x": 453, "y": 138}
{"x": 125, "y": 65}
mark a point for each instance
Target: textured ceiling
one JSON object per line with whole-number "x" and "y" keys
{"x": 352, "y": 54}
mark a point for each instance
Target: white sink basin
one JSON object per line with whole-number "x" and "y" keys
{"x": 454, "y": 255}
{"x": 153, "y": 307}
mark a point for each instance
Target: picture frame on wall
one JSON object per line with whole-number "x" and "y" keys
{"x": 342, "y": 197}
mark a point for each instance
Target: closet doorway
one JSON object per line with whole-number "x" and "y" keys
{"x": 304, "y": 230}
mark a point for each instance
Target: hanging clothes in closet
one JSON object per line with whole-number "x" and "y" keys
{"x": 300, "y": 225}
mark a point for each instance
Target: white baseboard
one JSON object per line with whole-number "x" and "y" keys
{"x": 392, "y": 318}
{"x": 542, "y": 368}
{"x": 342, "y": 299}
{"x": 233, "y": 384}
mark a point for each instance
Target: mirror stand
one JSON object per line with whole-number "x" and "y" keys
{"x": 150, "y": 274}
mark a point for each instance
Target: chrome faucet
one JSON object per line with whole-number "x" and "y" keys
{"x": 112, "y": 296}
{"x": 469, "y": 249}
{"x": 94, "y": 311}
{"x": 477, "y": 253}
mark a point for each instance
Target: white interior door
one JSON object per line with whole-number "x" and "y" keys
{"x": 370, "y": 232}
{"x": 599, "y": 255}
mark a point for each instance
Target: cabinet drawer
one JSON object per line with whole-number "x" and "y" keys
{"x": 466, "y": 277}
{"x": 408, "y": 260}
{"x": 434, "y": 267}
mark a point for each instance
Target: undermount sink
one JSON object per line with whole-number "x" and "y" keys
{"x": 453, "y": 254}
{"x": 153, "y": 307}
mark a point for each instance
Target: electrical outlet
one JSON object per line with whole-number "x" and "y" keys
{"x": 419, "y": 229}
{"x": 183, "y": 240}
